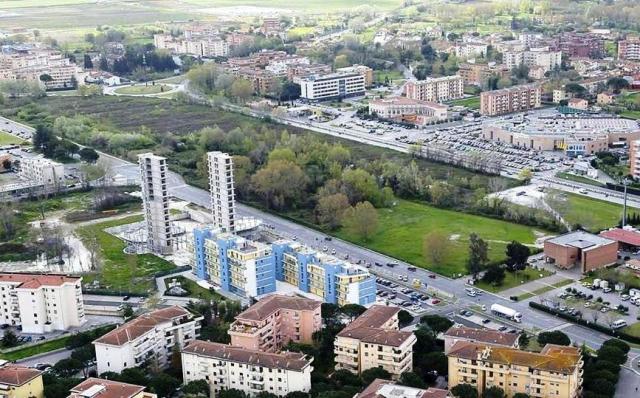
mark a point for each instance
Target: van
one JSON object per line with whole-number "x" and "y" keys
{"x": 620, "y": 323}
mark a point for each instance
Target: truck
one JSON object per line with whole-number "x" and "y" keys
{"x": 506, "y": 312}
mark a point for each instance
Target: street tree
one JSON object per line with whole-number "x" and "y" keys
{"x": 412, "y": 379}
{"x": 436, "y": 323}
{"x": 517, "y": 255}
{"x": 436, "y": 246}
{"x": 478, "y": 254}
{"x": 361, "y": 220}
{"x": 404, "y": 318}
{"x": 9, "y": 339}
{"x": 494, "y": 275}
{"x": 67, "y": 367}
{"x": 241, "y": 90}
{"x": 197, "y": 388}
{"x": 464, "y": 391}
{"x": 553, "y": 337}
{"x": 371, "y": 374}
{"x": 330, "y": 208}
{"x": 493, "y": 392}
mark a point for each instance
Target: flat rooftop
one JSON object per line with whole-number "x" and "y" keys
{"x": 581, "y": 240}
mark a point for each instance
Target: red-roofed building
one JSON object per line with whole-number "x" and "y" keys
{"x": 20, "y": 382}
{"x": 624, "y": 237}
{"x": 380, "y": 388}
{"x": 41, "y": 303}
{"x": 101, "y": 388}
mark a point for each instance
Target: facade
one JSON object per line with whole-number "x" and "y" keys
{"x": 302, "y": 70}
{"x": 155, "y": 199}
{"x": 542, "y": 58}
{"x": 41, "y": 303}
{"x": 606, "y": 98}
{"x": 585, "y": 45}
{"x": 102, "y": 388}
{"x": 251, "y": 371}
{"x": 554, "y": 372}
{"x": 437, "y": 89}
{"x": 332, "y": 86}
{"x": 634, "y": 158}
{"x": 478, "y": 74}
{"x": 581, "y": 248}
{"x": 509, "y": 100}
{"x": 20, "y": 382}
{"x": 629, "y": 49}
{"x": 274, "y": 321}
{"x": 380, "y": 388}
{"x": 280, "y": 65}
{"x": 271, "y": 26}
{"x": 361, "y": 69}
{"x": 578, "y": 103}
{"x": 473, "y": 335}
{"x": 221, "y": 189}
{"x": 43, "y": 171}
{"x": 399, "y": 107}
{"x": 150, "y": 336}
{"x": 198, "y": 46}
{"x": 466, "y": 50}
{"x": 374, "y": 340}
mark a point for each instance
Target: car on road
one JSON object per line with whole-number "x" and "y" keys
{"x": 126, "y": 298}
{"x": 378, "y": 264}
{"x": 328, "y": 238}
{"x": 42, "y": 366}
{"x": 432, "y": 276}
{"x": 502, "y": 328}
{"x": 392, "y": 264}
{"x": 411, "y": 268}
{"x": 485, "y": 321}
{"x": 435, "y": 301}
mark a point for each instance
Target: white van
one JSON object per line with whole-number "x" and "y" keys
{"x": 471, "y": 292}
{"x": 620, "y": 323}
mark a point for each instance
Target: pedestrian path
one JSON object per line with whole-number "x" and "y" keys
{"x": 538, "y": 286}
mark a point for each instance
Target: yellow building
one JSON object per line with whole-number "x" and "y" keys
{"x": 556, "y": 371}
{"x": 20, "y": 382}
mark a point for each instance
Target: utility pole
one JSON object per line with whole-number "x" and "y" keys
{"x": 625, "y": 182}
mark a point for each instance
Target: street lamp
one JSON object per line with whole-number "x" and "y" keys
{"x": 625, "y": 182}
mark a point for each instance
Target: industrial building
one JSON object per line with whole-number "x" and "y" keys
{"x": 582, "y": 249}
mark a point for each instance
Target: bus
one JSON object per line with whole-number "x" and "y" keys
{"x": 506, "y": 312}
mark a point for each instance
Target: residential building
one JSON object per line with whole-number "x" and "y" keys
{"x": 280, "y": 65}
{"x": 478, "y": 74}
{"x": 629, "y": 49}
{"x": 251, "y": 371}
{"x": 40, "y": 170}
{"x": 361, "y": 69}
{"x": 206, "y": 47}
{"x": 41, "y": 303}
{"x": 466, "y": 50}
{"x": 221, "y": 188}
{"x": 580, "y": 248}
{"x": 473, "y": 335}
{"x": 380, "y": 388}
{"x": 274, "y": 321}
{"x": 402, "y": 108}
{"x": 438, "y": 89}
{"x": 559, "y": 95}
{"x": 536, "y": 57}
{"x": 556, "y": 371}
{"x": 578, "y": 103}
{"x": 374, "y": 340}
{"x": 302, "y": 70}
{"x": 103, "y": 388}
{"x": 331, "y": 86}
{"x": 634, "y": 158}
{"x": 155, "y": 200}
{"x": 606, "y": 98}
{"x": 150, "y": 336}
{"x": 262, "y": 81}
{"x": 580, "y": 45}
{"x": 509, "y": 100}
{"x": 271, "y": 26}
{"x": 18, "y": 381}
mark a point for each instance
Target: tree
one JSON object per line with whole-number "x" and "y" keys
{"x": 517, "y": 254}
{"x": 436, "y": 246}
{"x": 242, "y": 90}
{"x": 9, "y": 339}
{"x": 46, "y": 78}
{"x": 525, "y": 175}
{"x": 330, "y": 209}
{"x": 494, "y": 275}
{"x": 88, "y": 64}
{"x": 493, "y": 392}
{"x": 127, "y": 311}
{"x": 411, "y": 379}
{"x": 352, "y": 310}
{"x": 478, "y": 254}
{"x": 89, "y": 155}
{"x": 612, "y": 354}
{"x": 6, "y": 164}
{"x": 371, "y": 374}
{"x": 436, "y": 323}
{"x": 553, "y": 337}
{"x": 67, "y": 367}
{"x": 404, "y": 318}
{"x": 523, "y": 340}
{"x": 361, "y": 220}
{"x": 163, "y": 384}
{"x": 621, "y": 345}
{"x": 197, "y": 388}
{"x": 280, "y": 183}
{"x": 617, "y": 83}
{"x": 464, "y": 391}
{"x": 266, "y": 394}
{"x": 86, "y": 355}
{"x": 521, "y": 395}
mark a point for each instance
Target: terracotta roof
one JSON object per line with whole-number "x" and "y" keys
{"x": 16, "y": 375}
{"x": 33, "y": 281}
{"x": 621, "y": 235}
{"x": 284, "y": 360}
{"x": 380, "y": 388}
{"x": 482, "y": 335}
{"x": 368, "y": 327}
{"x": 141, "y": 325}
{"x": 374, "y": 317}
{"x": 270, "y": 304}
{"x": 406, "y": 101}
{"x": 552, "y": 358}
{"x": 101, "y": 388}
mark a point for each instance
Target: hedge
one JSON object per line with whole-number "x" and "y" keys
{"x": 591, "y": 325}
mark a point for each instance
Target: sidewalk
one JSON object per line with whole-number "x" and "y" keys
{"x": 530, "y": 287}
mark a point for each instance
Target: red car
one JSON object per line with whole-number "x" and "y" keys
{"x": 435, "y": 301}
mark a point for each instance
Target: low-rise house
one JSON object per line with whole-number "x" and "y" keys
{"x": 380, "y": 388}
{"x": 578, "y": 103}
{"x": 150, "y": 336}
{"x": 102, "y": 388}
{"x": 606, "y": 98}
{"x": 399, "y": 108}
{"x": 473, "y": 335}
{"x": 20, "y": 382}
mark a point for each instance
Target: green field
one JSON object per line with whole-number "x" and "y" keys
{"x": 631, "y": 114}
{"x": 120, "y": 271}
{"x": 471, "y": 102}
{"x": 593, "y": 214}
{"x": 323, "y": 6}
{"x": 8, "y": 139}
{"x": 380, "y": 75}
{"x": 513, "y": 279}
{"x": 577, "y": 178}
{"x": 143, "y": 90}
{"x": 195, "y": 290}
{"x": 633, "y": 329}
{"x": 402, "y": 229}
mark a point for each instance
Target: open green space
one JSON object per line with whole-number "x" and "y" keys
{"x": 631, "y": 114}
{"x": 471, "y": 102}
{"x": 120, "y": 271}
{"x": 46, "y": 346}
{"x": 592, "y": 214}
{"x": 545, "y": 289}
{"x": 383, "y": 75}
{"x": 195, "y": 290}
{"x": 513, "y": 279}
{"x": 143, "y": 90}
{"x": 577, "y": 178}
{"x": 9, "y": 139}
{"x": 633, "y": 329}
{"x": 403, "y": 227}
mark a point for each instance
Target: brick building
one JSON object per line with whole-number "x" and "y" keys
{"x": 581, "y": 248}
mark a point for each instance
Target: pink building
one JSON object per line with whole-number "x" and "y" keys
{"x": 275, "y": 320}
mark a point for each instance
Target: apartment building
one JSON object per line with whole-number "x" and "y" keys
{"x": 586, "y": 45}
{"x": 438, "y": 89}
{"x": 478, "y": 74}
{"x": 360, "y": 69}
{"x": 20, "y": 382}
{"x": 466, "y": 50}
{"x": 262, "y": 81}
{"x": 103, "y": 388}
{"x": 473, "y": 335}
{"x": 512, "y": 99}
{"x": 43, "y": 171}
{"x": 279, "y": 66}
{"x": 41, "y": 303}
{"x": 222, "y": 190}
{"x": 274, "y": 321}
{"x": 150, "y": 336}
{"x": 155, "y": 200}
{"x": 331, "y": 86}
{"x": 629, "y": 49}
{"x": 380, "y": 388}
{"x": 374, "y": 340}
{"x": 302, "y": 70}
{"x": 634, "y": 158}
{"x": 398, "y": 108}
{"x": 271, "y": 26}
{"x": 251, "y": 371}
{"x": 556, "y": 371}
{"x": 542, "y": 58}
{"x": 202, "y": 47}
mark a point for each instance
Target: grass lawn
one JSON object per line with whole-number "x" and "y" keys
{"x": 36, "y": 349}
{"x": 196, "y": 290}
{"x": 513, "y": 279}
{"x": 380, "y": 75}
{"x": 402, "y": 229}
{"x": 8, "y": 139}
{"x": 142, "y": 90}
{"x": 593, "y": 214}
{"x": 545, "y": 289}
{"x": 631, "y": 114}
{"x": 577, "y": 178}
{"x": 120, "y": 271}
{"x": 471, "y": 102}
{"x": 633, "y": 329}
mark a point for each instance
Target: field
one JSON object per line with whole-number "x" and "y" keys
{"x": 143, "y": 90}
{"x": 47, "y": 346}
{"x": 631, "y": 114}
{"x": 593, "y": 214}
{"x": 513, "y": 279}
{"x": 380, "y": 75}
{"x": 120, "y": 271}
{"x": 471, "y": 102}
{"x": 402, "y": 229}
{"x": 577, "y": 178}
{"x": 8, "y": 139}
{"x": 633, "y": 329}
{"x": 195, "y": 290}
{"x": 305, "y": 6}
